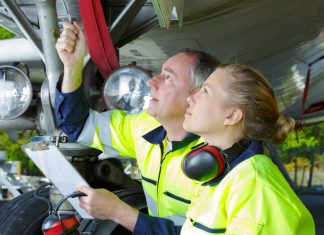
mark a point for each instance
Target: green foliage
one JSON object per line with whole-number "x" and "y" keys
{"x": 5, "y": 34}
{"x": 316, "y": 131}
{"x": 301, "y": 142}
{"x": 14, "y": 152}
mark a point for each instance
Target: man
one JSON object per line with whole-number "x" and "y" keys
{"x": 154, "y": 137}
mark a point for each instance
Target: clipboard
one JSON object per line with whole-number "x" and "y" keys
{"x": 54, "y": 165}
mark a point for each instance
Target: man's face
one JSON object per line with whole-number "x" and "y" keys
{"x": 171, "y": 87}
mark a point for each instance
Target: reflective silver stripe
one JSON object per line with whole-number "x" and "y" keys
{"x": 102, "y": 121}
{"x": 151, "y": 204}
{"x": 178, "y": 219}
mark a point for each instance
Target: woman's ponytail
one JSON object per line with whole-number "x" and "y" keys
{"x": 282, "y": 128}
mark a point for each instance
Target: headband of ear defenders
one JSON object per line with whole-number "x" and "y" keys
{"x": 206, "y": 163}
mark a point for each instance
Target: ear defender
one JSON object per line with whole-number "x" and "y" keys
{"x": 203, "y": 163}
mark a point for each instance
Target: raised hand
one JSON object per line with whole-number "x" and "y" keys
{"x": 71, "y": 47}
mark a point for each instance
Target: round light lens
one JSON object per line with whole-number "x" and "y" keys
{"x": 126, "y": 89}
{"x": 15, "y": 92}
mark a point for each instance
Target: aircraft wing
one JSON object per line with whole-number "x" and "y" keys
{"x": 283, "y": 39}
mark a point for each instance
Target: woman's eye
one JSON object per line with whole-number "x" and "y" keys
{"x": 204, "y": 90}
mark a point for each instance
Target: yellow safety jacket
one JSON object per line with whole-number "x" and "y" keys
{"x": 253, "y": 198}
{"x": 168, "y": 191}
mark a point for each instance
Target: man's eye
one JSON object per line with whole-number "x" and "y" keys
{"x": 168, "y": 77}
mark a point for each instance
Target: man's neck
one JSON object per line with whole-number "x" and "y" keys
{"x": 174, "y": 129}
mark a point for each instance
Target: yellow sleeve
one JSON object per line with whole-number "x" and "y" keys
{"x": 112, "y": 132}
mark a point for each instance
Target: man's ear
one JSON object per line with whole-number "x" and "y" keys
{"x": 233, "y": 117}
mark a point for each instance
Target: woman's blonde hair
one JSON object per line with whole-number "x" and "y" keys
{"x": 250, "y": 91}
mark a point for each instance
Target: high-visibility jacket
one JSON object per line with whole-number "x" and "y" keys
{"x": 253, "y": 198}
{"x": 168, "y": 191}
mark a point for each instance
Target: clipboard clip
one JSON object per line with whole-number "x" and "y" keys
{"x": 40, "y": 146}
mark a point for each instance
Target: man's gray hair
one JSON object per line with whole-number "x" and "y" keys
{"x": 203, "y": 66}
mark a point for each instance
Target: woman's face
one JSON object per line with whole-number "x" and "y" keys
{"x": 207, "y": 110}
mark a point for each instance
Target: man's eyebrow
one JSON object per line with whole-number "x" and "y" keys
{"x": 168, "y": 69}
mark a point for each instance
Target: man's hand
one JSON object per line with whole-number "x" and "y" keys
{"x": 102, "y": 204}
{"x": 71, "y": 45}
{"x": 99, "y": 203}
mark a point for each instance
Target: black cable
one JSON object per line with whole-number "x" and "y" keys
{"x": 44, "y": 199}
{"x": 60, "y": 202}
{"x": 92, "y": 227}
{"x": 71, "y": 195}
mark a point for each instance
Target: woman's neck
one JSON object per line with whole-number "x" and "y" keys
{"x": 224, "y": 141}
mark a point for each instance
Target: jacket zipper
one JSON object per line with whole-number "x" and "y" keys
{"x": 159, "y": 181}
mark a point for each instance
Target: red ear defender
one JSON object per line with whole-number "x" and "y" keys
{"x": 203, "y": 164}
{"x": 62, "y": 223}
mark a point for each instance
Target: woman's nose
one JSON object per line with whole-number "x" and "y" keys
{"x": 189, "y": 99}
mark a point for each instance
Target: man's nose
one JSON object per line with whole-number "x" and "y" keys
{"x": 150, "y": 83}
{"x": 153, "y": 83}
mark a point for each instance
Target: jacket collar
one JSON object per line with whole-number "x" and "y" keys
{"x": 157, "y": 135}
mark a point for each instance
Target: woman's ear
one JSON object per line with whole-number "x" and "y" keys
{"x": 233, "y": 117}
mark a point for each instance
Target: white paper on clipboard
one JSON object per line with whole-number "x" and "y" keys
{"x": 49, "y": 159}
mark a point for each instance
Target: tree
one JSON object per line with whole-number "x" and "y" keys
{"x": 307, "y": 143}
{"x": 5, "y": 34}
{"x": 301, "y": 138}
{"x": 14, "y": 152}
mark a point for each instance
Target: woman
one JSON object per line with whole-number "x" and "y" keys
{"x": 235, "y": 110}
